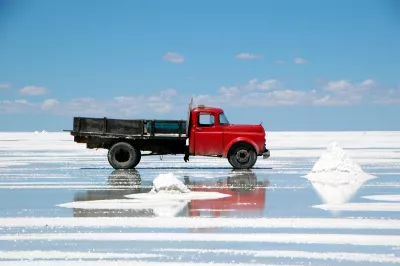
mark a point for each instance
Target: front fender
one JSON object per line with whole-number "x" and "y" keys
{"x": 237, "y": 140}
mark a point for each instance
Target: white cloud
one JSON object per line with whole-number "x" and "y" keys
{"x": 338, "y": 86}
{"x": 228, "y": 90}
{"x": 280, "y": 62}
{"x": 272, "y": 92}
{"x": 388, "y": 97}
{"x": 21, "y": 101}
{"x": 18, "y": 106}
{"x": 5, "y": 85}
{"x": 161, "y": 102}
{"x": 348, "y": 88}
{"x": 367, "y": 82}
{"x": 248, "y": 56}
{"x": 49, "y": 104}
{"x": 160, "y": 107}
{"x": 253, "y": 93}
{"x": 128, "y": 106}
{"x": 269, "y": 84}
{"x": 33, "y": 90}
{"x": 344, "y": 92}
{"x": 252, "y": 85}
{"x": 174, "y": 58}
{"x": 299, "y": 61}
{"x": 328, "y": 100}
{"x": 169, "y": 92}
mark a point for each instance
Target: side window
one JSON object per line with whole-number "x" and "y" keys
{"x": 223, "y": 120}
{"x": 206, "y": 120}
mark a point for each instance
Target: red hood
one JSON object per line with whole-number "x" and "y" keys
{"x": 246, "y": 128}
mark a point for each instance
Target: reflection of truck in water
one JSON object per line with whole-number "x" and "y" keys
{"x": 247, "y": 197}
{"x": 207, "y": 132}
{"x": 121, "y": 183}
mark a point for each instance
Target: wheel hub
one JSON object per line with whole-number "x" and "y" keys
{"x": 122, "y": 156}
{"x": 242, "y": 156}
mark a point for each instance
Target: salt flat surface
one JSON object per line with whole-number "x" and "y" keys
{"x": 342, "y": 256}
{"x": 123, "y": 263}
{"x": 180, "y": 222}
{"x": 60, "y": 201}
{"x": 383, "y": 197}
{"x": 54, "y": 254}
{"x": 338, "y": 239}
{"x": 367, "y": 207}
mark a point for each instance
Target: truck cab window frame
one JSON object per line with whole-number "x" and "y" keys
{"x": 205, "y": 120}
{"x": 223, "y": 121}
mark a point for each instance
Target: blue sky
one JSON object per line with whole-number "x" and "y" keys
{"x": 292, "y": 65}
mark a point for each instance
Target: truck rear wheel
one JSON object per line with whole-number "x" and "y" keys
{"x": 123, "y": 155}
{"x": 242, "y": 156}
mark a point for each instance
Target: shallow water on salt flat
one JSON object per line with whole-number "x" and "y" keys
{"x": 35, "y": 179}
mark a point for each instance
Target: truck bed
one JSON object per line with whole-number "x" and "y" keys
{"x": 128, "y": 128}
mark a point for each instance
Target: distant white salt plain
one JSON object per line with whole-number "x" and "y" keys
{"x": 55, "y": 254}
{"x": 372, "y": 149}
{"x": 124, "y": 263}
{"x": 337, "y": 239}
{"x": 341, "y": 256}
{"x": 200, "y": 222}
{"x": 74, "y": 258}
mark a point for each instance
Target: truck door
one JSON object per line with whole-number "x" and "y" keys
{"x": 208, "y": 135}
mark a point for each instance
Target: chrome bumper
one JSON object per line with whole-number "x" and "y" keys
{"x": 266, "y": 153}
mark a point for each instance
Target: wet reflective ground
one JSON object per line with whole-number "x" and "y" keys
{"x": 270, "y": 217}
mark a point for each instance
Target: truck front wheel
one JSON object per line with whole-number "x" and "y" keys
{"x": 123, "y": 155}
{"x": 242, "y": 156}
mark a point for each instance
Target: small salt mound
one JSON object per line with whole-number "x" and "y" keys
{"x": 335, "y": 159}
{"x": 42, "y": 132}
{"x": 168, "y": 183}
{"x": 335, "y": 177}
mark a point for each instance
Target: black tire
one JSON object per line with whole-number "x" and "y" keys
{"x": 242, "y": 156}
{"x": 123, "y": 155}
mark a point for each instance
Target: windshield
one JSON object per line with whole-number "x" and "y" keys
{"x": 223, "y": 120}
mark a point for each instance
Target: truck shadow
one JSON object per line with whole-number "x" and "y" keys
{"x": 247, "y": 197}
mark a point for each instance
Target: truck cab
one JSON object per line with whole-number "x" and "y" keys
{"x": 211, "y": 134}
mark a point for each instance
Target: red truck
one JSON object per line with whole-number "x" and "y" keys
{"x": 206, "y": 132}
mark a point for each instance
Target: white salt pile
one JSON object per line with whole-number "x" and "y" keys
{"x": 168, "y": 183}
{"x": 335, "y": 159}
{"x": 43, "y": 132}
{"x": 336, "y": 177}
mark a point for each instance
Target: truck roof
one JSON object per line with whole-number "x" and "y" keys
{"x": 209, "y": 109}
